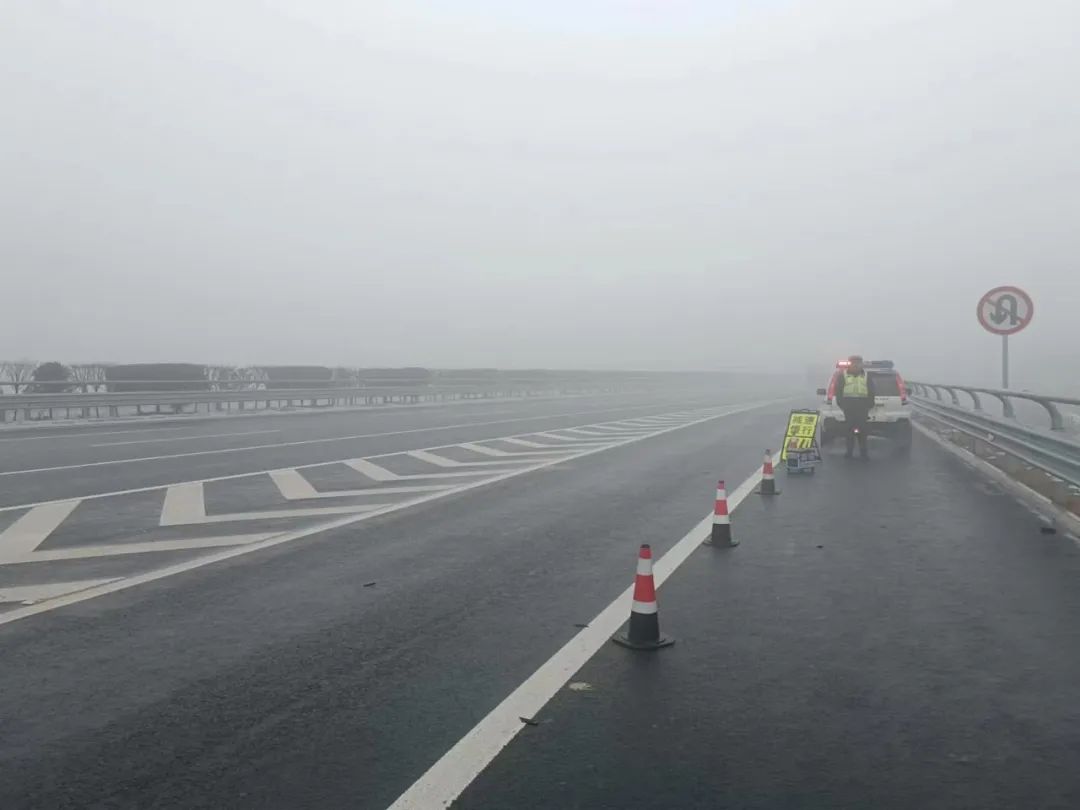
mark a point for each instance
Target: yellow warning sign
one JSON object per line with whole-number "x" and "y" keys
{"x": 801, "y": 432}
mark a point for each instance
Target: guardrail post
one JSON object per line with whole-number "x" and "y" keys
{"x": 952, "y": 393}
{"x": 1006, "y": 406}
{"x": 1056, "y": 421}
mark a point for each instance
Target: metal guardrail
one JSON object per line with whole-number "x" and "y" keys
{"x": 1006, "y": 397}
{"x": 23, "y": 406}
{"x": 1050, "y": 450}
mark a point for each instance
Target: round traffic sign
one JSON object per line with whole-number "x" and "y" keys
{"x": 1005, "y": 310}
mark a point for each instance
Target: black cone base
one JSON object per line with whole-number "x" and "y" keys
{"x": 643, "y": 633}
{"x": 721, "y": 536}
{"x": 623, "y": 640}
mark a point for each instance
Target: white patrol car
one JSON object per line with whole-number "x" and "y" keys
{"x": 889, "y": 417}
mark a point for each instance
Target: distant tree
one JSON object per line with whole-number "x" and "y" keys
{"x": 89, "y": 376}
{"x": 50, "y": 378}
{"x": 16, "y": 374}
{"x": 224, "y": 378}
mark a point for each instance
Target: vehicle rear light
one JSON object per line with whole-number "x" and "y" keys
{"x": 903, "y": 388}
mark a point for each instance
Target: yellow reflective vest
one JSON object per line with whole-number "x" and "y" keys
{"x": 855, "y": 385}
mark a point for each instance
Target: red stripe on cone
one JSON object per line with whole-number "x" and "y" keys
{"x": 768, "y": 480}
{"x": 643, "y": 631}
{"x": 720, "y": 510}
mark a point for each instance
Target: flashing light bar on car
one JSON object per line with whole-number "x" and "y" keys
{"x": 843, "y": 363}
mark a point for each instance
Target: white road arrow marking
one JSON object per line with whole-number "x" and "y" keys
{"x": 29, "y": 531}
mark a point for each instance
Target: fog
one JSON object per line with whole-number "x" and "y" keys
{"x": 649, "y": 185}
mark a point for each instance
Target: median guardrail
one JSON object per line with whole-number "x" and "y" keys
{"x": 1048, "y": 448}
{"x": 19, "y": 407}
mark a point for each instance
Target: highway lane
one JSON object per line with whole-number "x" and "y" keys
{"x": 891, "y": 635}
{"x": 74, "y": 463}
{"x": 330, "y": 671}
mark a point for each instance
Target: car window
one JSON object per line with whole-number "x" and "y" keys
{"x": 884, "y": 384}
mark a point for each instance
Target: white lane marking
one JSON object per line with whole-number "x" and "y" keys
{"x": 148, "y": 547}
{"x": 377, "y": 473}
{"x": 30, "y": 530}
{"x": 588, "y": 432}
{"x": 192, "y": 438}
{"x": 327, "y": 440}
{"x": 358, "y": 463}
{"x": 621, "y": 429}
{"x": 51, "y": 590}
{"x": 574, "y": 439}
{"x": 577, "y": 440}
{"x": 521, "y": 454}
{"x": 540, "y": 445}
{"x": 442, "y": 461}
{"x": 184, "y": 503}
{"x": 457, "y": 768}
{"x": 314, "y": 511}
{"x": 292, "y": 485}
{"x": 286, "y": 537}
{"x": 94, "y": 433}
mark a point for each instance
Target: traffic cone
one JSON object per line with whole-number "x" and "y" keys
{"x": 721, "y": 521}
{"x": 768, "y": 480}
{"x": 643, "y": 632}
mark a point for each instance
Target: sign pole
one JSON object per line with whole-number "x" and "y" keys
{"x": 1005, "y": 311}
{"x": 1004, "y": 361}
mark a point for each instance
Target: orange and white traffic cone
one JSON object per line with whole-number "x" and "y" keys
{"x": 721, "y": 521}
{"x": 643, "y": 632}
{"x": 768, "y": 479}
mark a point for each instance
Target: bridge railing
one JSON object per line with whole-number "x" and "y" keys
{"x": 1047, "y": 447}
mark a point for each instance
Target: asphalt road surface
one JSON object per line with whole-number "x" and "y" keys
{"x": 324, "y": 621}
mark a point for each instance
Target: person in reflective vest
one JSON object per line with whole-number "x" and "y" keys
{"x": 855, "y": 398}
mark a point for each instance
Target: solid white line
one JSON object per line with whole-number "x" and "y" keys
{"x": 457, "y": 768}
{"x": 29, "y": 531}
{"x": 327, "y": 440}
{"x": 185, "y": 438}
{"x": 116, "y": 549}
{"x": 287, "y": 537}
{"x": 94, "y": 433}
{"x": 184, "y": 503}
{"x": 443, "y": 461}
{"x": 51, "y": 590}
{"x": 292, "y": 485}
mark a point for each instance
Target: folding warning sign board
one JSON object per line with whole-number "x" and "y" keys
{"x": 801, "y": 436}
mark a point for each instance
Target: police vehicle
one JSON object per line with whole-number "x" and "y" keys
{"x": 890, "y": 415}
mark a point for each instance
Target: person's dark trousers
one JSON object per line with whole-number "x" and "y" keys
{"x": 856, "y": 415}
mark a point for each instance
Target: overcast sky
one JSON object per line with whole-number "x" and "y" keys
{"x": 568, "y": 183}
